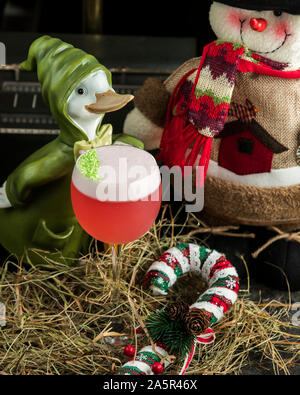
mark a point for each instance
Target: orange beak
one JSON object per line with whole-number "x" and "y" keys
{"x": 108, "y": 101}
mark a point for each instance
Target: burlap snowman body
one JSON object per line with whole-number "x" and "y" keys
{"x": 253, "y": 174}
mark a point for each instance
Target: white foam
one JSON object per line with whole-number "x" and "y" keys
{"x": 127, "y": 173}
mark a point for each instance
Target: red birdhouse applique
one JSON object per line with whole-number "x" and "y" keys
{"x": 246, "y": 147}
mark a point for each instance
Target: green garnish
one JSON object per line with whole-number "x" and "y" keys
{"x": 88, "y": 165}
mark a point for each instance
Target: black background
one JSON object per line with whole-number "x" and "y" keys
{"x": 148, "y": 18}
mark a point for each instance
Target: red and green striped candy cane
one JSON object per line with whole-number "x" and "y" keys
{"x": 222, "y": 292}
{"x": 144, "y": 360}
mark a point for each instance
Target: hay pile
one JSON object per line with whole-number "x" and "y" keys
{"x": 58, "y": 316}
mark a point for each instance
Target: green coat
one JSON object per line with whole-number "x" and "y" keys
{"x": 42, "y": 216}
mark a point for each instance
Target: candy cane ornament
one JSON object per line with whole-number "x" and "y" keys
{"x": 144, "y": 360}
{"x": 221, "y": 294}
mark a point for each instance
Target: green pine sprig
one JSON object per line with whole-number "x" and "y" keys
{"x": 171, "y": 333}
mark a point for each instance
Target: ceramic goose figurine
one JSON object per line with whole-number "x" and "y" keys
{"x": 36, "y": 210}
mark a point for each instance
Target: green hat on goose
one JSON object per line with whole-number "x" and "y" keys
{"x": 61, "y": 68}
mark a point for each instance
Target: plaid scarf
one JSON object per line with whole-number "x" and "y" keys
{"x": 199, "y": 105}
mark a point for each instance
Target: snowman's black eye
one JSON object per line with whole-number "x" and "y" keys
{"x": 277, "y": 13}
{"x": 80, "y": 91}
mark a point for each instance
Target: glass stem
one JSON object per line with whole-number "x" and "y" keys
{"x": 116, "y": 270}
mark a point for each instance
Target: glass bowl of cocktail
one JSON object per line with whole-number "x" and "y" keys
{"x": 116, "y": 197}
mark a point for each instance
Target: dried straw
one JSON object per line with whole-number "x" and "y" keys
{"x": 59, "y": 316}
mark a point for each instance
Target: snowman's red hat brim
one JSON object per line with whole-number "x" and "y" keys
{"x": 289, "y": 6}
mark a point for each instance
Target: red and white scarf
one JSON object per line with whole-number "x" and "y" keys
{"x": 199, "y": 105}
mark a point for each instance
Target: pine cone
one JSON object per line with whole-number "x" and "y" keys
{"x": 196, "y": 321}
{"x": 177, "y": 311}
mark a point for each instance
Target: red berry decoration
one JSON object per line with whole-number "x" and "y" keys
{"x": 157, "y": 368}
{"x": 129, "y": 351}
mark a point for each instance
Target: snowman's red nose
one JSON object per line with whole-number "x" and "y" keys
{"x": 259, "y": 25}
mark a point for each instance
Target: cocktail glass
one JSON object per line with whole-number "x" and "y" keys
{"x": 116, "y": 197}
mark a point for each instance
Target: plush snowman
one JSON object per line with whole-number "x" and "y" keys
{"x": 235, "y": 111}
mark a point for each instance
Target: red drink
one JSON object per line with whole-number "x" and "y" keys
{"x": 116, "y": 219}
{"x": 114, "y": 222}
